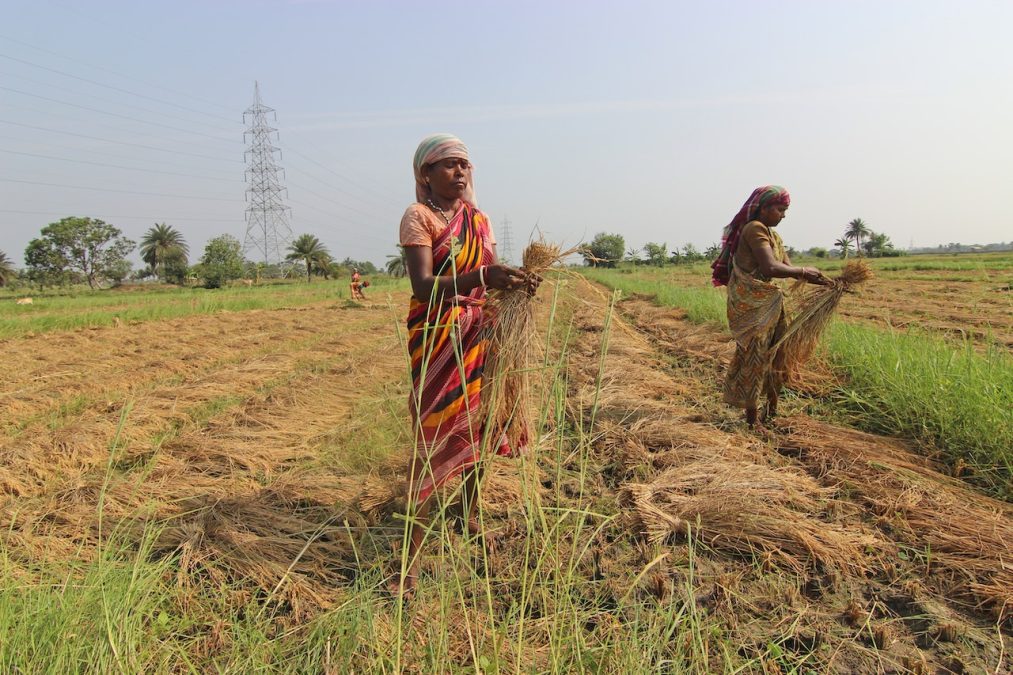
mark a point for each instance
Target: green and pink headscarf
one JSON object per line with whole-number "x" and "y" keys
{"x": 762, "y": 196}
{"x": 436, "y": 148}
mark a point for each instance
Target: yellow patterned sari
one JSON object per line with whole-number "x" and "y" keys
{"x": 756, "y": 317}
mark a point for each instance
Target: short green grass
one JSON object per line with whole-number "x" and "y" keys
{"x": 88, "y": 309}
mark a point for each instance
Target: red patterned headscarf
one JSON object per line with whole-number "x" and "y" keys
{"x": 762, "y": 196}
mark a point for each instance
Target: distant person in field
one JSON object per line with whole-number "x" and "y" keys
{"x": 357, "y": 285}
{"x": 450, "y": 254}
{"x": 751, "y": 263}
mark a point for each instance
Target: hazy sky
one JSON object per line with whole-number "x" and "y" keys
{"x": 652, "y": 119}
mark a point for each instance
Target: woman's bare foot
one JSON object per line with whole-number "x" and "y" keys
{"x": 403, "y": 586}
{"x": 489, "y": 539}
{"x": 760, "y": 430}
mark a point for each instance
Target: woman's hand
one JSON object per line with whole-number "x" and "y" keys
{"x": 814, "y": 276}
{"x": 506, "y": 278}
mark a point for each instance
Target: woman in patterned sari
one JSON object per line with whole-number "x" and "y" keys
{"x": 451, "y": 259}
{"x": 751, "y": 262}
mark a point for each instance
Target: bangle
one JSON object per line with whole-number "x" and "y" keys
{"x": 481, "y": 275}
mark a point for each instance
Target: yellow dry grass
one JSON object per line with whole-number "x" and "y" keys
{"x": 249, "y": 511}
{"x": 512, "y": 350}
{"x": 231, "y": 493}
{"x": 966, "y": 538}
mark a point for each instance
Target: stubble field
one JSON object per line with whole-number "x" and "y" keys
{"x": 189, "y": 485}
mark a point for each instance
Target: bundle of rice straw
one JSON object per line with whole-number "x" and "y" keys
{"x": 507, "y": 397}
{"x": 814, "y": 307}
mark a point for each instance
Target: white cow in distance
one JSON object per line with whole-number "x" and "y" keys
{"x": 23, "y": 301}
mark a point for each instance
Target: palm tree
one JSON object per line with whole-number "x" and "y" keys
{"x": 396, "y": 264}
{"x": 161, "y": 243}
{"x": 7, "y": 271}
{"x": 325, "y": 266}
{"x": 857, "y": 230}
{"x": 845, "y": 245}
{"x": 878, "y": 243}
{"x": 308, "y": 248}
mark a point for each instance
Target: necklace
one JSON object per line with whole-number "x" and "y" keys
{"x": 436, "y": 208}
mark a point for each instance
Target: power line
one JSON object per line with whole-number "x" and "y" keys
{"x": 112, "y": 114}
{"x": 112, "y": 72}
{"x": 109, "y": 86}
{"x": 360, "y": 230}
{"x": 129, "y": 192}
{"x": 330, "y": 185}
{"x": 109, "y": 127}
{"x": 93, "y": 151}
{"x": 108, "y": 140}
{"x": 342, "y": 219}
{"x": 117, "y": 103}
{"x": 381, "y": 199}
{"x": 333, "y": 201}
{"x": 384, "y": 198}
{"x": 385, "y": 203}
{"x": 362, "y": 188}
{"x": 110, "y": 215}
{"x": 117, "y": 166}
{"x": 105, "y": 128}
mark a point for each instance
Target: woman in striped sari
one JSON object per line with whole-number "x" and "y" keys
{"x": 751, "y": 263}
{"x": 451, "y": 259}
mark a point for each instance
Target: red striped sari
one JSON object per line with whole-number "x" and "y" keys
{"x": 447, "y": 342}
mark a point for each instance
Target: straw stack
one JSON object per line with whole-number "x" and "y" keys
{"x": 507, "y": 396}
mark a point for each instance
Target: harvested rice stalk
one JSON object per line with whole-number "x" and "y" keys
{"x": 815, "y": 306}
{"x": 751, "y": 510}
{"x": 507, "y": 398}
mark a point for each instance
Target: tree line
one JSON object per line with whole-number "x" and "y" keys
{"x": 88, "y": 250}
{"x": 609, "y": 249}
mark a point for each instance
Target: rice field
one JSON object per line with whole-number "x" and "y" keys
{"x": 213, "y": 482}
{"x": 80, "y": 308}
{"x": 963, "y": 295}
{"x": 946, "y": 383}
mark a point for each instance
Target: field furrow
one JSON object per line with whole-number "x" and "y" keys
{"x": 853, "y": 519}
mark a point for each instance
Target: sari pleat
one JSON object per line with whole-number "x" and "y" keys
{"x": 448, "y": 344}
{"x": 756, "y": 317}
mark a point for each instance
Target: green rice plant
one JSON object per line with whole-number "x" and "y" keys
{"x": 101, "y": 616}
{"x": 947, "y": 396}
